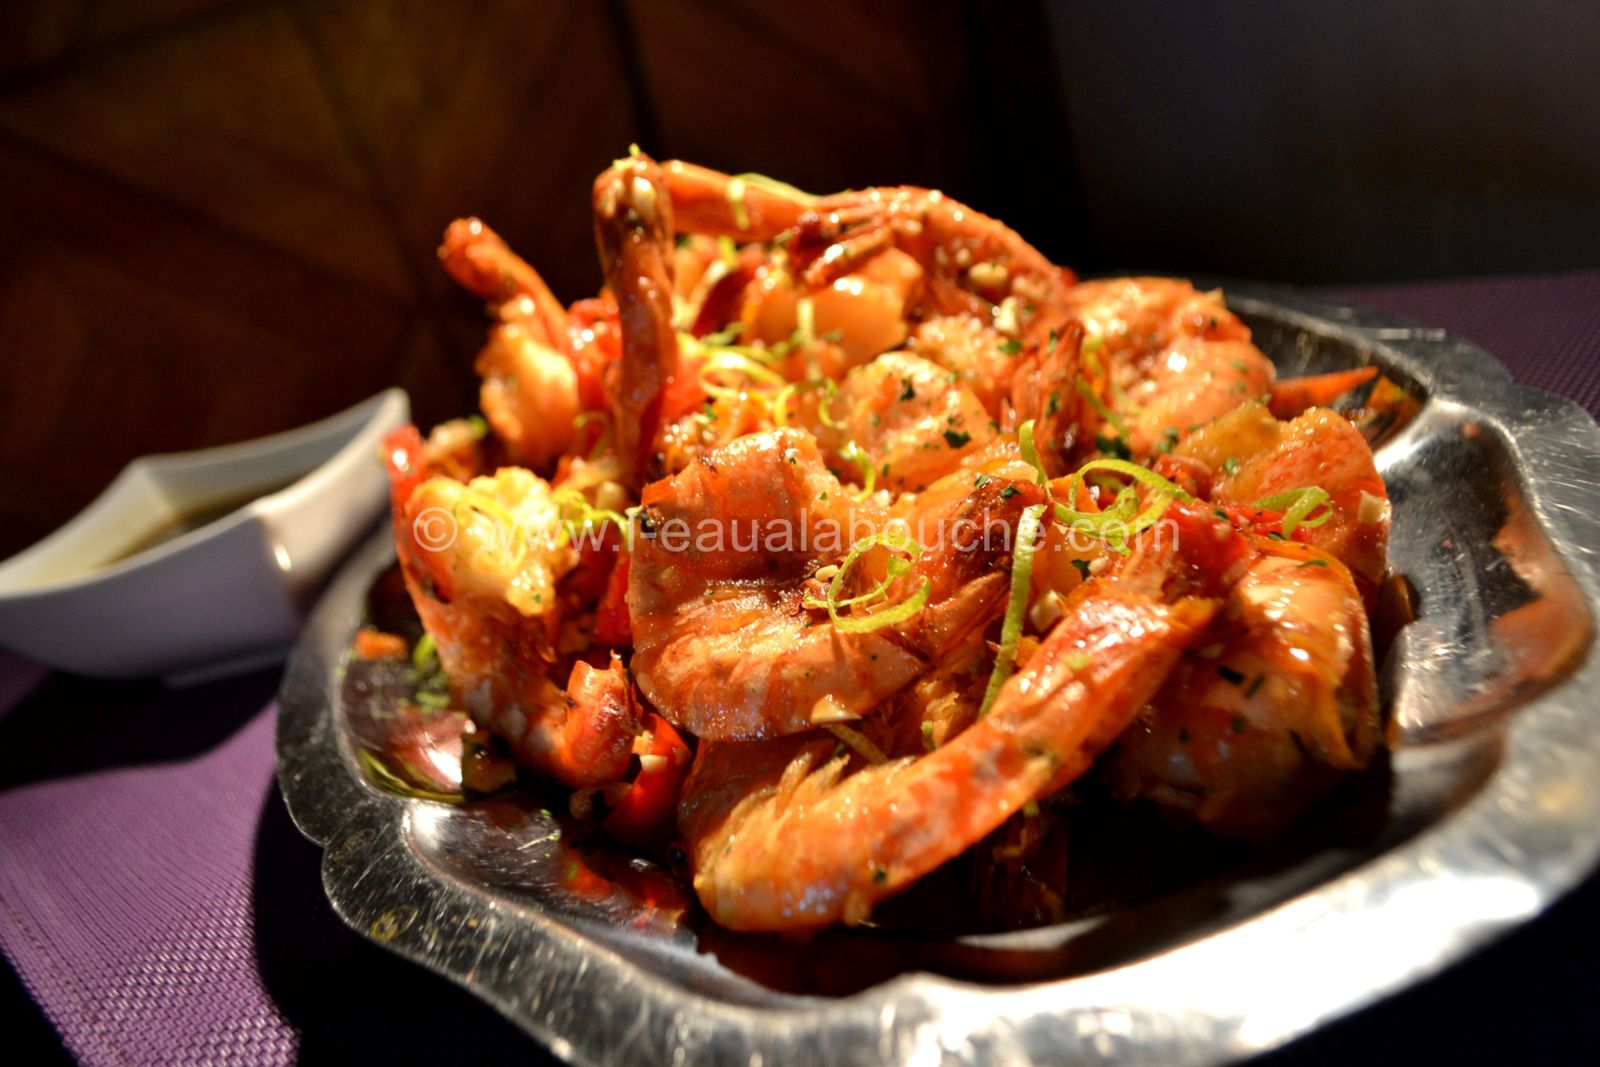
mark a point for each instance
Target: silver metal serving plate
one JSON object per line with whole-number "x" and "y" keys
{"x": 1491, "y": 808}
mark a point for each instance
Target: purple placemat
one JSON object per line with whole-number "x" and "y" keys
{"x": 125, "y": 907}
{"x": 159, "y": 907}
{"x": 1546, "y": 330}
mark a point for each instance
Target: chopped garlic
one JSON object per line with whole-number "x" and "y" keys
{"x": 1006, "y": 319}
{"x": 989, "y": 275}
{"x": 1045, "y": 611}
{"x": 828, "y": 709}
{"x": 644, "y": 198}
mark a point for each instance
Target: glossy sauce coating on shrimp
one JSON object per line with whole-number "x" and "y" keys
{"x": 633, "y": 230}
{"x": 814, "y": 414}
{"x": 782, "y": 838}
{"x": 1284, "y": 701}
{"x": 729, "y": 551}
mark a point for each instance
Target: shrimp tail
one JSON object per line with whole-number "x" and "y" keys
{"x": 585, "y": 736}
{"x": 406, "y": 459}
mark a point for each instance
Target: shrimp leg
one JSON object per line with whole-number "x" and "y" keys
{"x": 633, "y": 230}
{"x": 482, "y": 263}
{"x": 707, "y": 201}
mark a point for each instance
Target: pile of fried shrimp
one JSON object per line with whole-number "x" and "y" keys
{"x": 843, "y": 536}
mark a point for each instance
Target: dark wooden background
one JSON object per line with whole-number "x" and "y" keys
{"x": 218, "y": 218}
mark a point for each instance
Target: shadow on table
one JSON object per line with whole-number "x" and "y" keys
{"x": 70, "y": 725}
{"x": 29, "y": 1037}
{"x": 351, "y": 1001}
{"x": 1527, "y": 998}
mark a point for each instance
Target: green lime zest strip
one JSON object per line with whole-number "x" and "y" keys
{"x": 1017, "y": 606}
{"x": 773, "y": 185}
{"x": 1122, "y": 519}
{"x": 1030, "y": 453}
{"x": 1119, "y": 522}
{"x": 1086, "y": 391}
{"x": 896, "y": 613}
{"x": 576, "y": 511}
{"x": 780, "y": 403}
{"x": 1297, "y": 506}
{"x": 854, "y": 453}
{"x": 728, "y": 361}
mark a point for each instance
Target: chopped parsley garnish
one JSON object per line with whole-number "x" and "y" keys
{"x": 1008, "y": 492}
{"x": 1239, "y": 724}
{"x": 981, "y": 480}
{"x": 1255, "y": 686}
{"x": 955, "y": 439}
{"x": 1055, "y": 403}
{"x": 1315, "y": 563}
{"x": 1113, "y": 446}
{"x": 1230, "y": 466}
{"x": 908, "y": 391}
{"x": 1230, "y": 675}
{"x": 1012, "y": 346}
